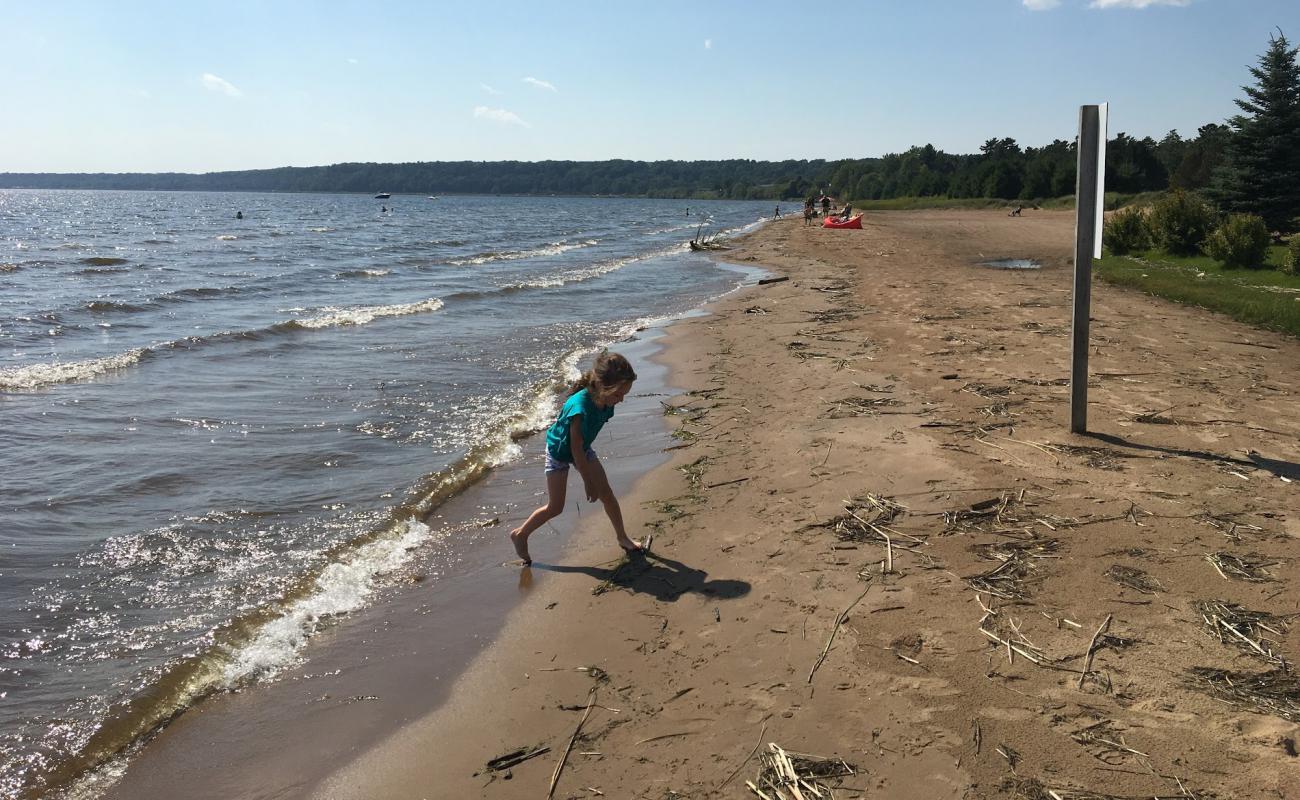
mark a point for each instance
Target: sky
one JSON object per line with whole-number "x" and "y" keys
{"x": 196, "y": 86}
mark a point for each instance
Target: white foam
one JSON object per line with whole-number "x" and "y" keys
{"x": 552, "y": 249}
{"x": 364, "y": 314}
{"x": 35, "y": 376}
{"x": 595, "y": 271}
{"x": 342, "y": 587}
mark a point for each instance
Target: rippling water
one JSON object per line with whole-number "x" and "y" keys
{"x": 218, "y": 433}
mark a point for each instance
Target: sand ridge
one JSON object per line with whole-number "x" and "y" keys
{"x": 893, "y": 390}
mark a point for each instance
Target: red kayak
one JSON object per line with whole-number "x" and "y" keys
{"x": 854, "y": 221}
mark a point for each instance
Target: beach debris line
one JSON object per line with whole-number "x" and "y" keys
{"x": 1250, "y": 567}
{"x": 1017, "y": 566}
{"x": 1275, "y": 692}
{"x": 1133, "y": 578}
{"x": 1243, "y": 628}
{"x": 860, "y": 406}
{"x": 802, "y": 776}
{"x": 1031, "y": 789}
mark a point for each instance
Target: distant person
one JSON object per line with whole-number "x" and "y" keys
{"x": 383, "y": 209}
{"x": 568, "y": 444}
{"x": 777, "y": 214}
{"x": 809, "y": 212}
{"x": 239, "y": 215}
{"x": 826, "y": 205}
{"x": 848, "y": 209}
{"x": 1015, "y": 212}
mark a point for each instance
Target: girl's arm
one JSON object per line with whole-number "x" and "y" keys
{"x": 578, "y": 449}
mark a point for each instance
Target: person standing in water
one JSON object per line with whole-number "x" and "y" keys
{"x": 568, "y": 444}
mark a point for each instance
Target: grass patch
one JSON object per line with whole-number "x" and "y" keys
{"x": 1266, "y": 298}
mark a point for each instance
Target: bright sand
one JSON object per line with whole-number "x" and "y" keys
{"x": 889, "y": 364}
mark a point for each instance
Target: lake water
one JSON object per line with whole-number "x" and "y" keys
{"x": 219, "y": 433}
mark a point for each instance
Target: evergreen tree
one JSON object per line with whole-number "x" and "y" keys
{"x": 1262, "y": 173}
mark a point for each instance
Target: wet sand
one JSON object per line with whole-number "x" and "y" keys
{"x": 982, "y": 549}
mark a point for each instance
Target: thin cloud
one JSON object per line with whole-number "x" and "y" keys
{"x": 353, "y": 61}
{"x": 708, "y": 43}
{"x": 540, "y": 84}
{"x": 221, "y": 85}
{"x": 499, "y": 115}
{"x": 490, "y": 90}
{"x": 1136, "y": 3}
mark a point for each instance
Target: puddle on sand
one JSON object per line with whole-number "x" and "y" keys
{"x": 1012, "y": 263}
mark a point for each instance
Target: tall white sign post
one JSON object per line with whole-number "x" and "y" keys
{"x": 1090, "y": 185}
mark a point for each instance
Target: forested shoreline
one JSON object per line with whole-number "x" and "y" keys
{"x": 1002, "y": 169}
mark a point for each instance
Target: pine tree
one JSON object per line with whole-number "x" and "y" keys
{"x": 1262, "y": 173}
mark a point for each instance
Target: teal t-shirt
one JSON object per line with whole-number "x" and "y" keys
{"x": 593, "y": 419}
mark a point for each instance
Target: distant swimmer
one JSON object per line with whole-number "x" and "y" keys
{"x": 239, "y": 215}
{"x": 383, "y": 209}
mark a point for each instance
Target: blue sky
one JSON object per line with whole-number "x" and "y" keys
{"x": 200, "y": 86}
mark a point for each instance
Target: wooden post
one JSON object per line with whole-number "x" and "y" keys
{"x": 1087, "y": 198}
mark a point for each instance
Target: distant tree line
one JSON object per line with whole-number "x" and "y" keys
{"x": 1002, "y": 169}
{"x": 738, "y": 179}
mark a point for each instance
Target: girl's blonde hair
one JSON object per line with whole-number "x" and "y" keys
{"x": 609, "y": 370}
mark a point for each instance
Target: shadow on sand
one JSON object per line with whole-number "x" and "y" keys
{"x": 656, "y": 575}
{"x": 1253, "y": 460}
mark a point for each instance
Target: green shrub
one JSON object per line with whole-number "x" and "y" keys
{"x": 1241, "y": 241}
{"x": 1180, "y": 222}
{"x": 1291, "y": 261}
{"x": 1127, "y": 231}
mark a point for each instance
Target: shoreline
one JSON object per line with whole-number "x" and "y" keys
{"x": 332, "y": 675}
{"x": 889, "y": 366}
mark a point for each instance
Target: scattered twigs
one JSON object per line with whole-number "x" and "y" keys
{"x": 1250, "y": 567}
{"x": 1230, "y": 527}
{"x": 555, "y": 777}
{"x": 1133, "y": 578}
{"x": 1106, "y": 743}
{"x": 519, "y": 756}
{"x": 1096, "y": 457}
{"x": 1092, "y": 650}
{"x": 839, "y": 620}
{"x": 860, "y": 406}
{"x": 741, "y": 765}
{"x": 800, "y": 774}
{"x": 1242, "y": 628}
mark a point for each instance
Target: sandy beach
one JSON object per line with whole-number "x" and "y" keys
{"x": 875, "y": 540}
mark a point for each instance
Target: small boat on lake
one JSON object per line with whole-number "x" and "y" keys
{"x": 383, "y": 196}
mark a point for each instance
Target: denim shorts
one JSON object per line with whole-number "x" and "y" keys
{"x": 555, "y": 465}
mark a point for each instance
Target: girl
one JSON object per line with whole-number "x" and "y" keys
{"x": 568, "y": 443}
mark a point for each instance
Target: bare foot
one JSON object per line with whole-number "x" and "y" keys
{"x": 521, "y": 546}
{"x": 631, "y": 546}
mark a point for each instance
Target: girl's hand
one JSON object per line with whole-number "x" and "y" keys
{"x": 593, "y": 493}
